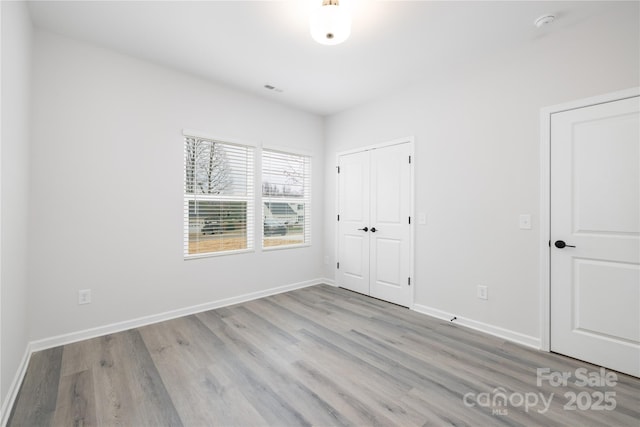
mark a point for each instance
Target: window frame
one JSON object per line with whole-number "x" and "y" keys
{"x": 250, "y": 198}
{"x": 306, "y": 200}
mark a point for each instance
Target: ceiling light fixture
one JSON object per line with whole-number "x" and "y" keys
{"x": 330, "y": 23}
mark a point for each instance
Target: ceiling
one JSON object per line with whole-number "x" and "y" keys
{"x": 247, "y": 44}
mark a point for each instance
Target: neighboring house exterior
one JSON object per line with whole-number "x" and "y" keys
{"x": 288, "y": 213}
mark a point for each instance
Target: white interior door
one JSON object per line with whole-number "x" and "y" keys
{"x": 353, "y": 243}
{"x": 390, "y": 236}
{"x": 374, "y": 233}
{"x": 595, "y": 206}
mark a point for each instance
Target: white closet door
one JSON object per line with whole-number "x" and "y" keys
{"x": 374, "y": 233}
{"x": 353, "y": 244}
{"x": 390, "y": 230}
{"x": 595, "y": 232}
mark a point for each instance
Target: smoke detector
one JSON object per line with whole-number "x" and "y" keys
{"x": 544, "y": 20}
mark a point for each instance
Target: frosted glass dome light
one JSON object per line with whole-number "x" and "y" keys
{"x": 330, "y": 24}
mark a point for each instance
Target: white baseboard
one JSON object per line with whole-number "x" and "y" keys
{"x": 497, "y": 331}
{"x": 329, "y": 282}
{"x": 7, "y": 405}
{"x": 69, "y": 338}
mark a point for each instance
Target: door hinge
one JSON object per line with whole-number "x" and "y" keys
{"x": 409, "y": 220}
{"x": 338, "y": 167}
{"x": 409, "y": 281}
{"x": 338, "y": 266}
{"x": 338, "y": 217}
{"x": 409, "y": 159}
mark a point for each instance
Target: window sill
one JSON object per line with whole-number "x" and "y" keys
{"x": 284, "y": 247}
{"x": 217, "y": 254}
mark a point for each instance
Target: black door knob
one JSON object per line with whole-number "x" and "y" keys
{"x": 364, "y": 229}
{"x": 373, "y": 229}
{"x": 561, "y": 244}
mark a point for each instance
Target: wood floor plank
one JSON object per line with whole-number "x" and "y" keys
{"x": 183, "y": 353}
{"x": 36, "y": 401}
{"x": 259, "y": 392}
{"x": 74, "y": 358}
{"x": 315, "y": 356}
{"x": 378, "y": 387}
{"x": 363, "y": 385}
{"x": 76, "y": 401}
{"x": 354, "y": 407}
{"x": 335, "y": 369}
{"x": 274, "y": 370}
{"x": 127, "y": 384}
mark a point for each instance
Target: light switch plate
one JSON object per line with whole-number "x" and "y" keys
{"x": 483, "y": 292}
{"x": 525, "y": 222}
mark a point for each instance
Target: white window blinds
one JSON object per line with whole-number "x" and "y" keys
{"x": 286, "y": 199}
{"x": 218, "y": 197}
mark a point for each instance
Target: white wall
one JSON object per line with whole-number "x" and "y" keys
{"x": 477, "y": 159}
{"x": 14, "y": 178}
{"x": 107, "y": 188}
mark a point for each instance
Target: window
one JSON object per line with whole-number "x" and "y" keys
{"x": 286, "y": 199}
{"x": 218, "y": 197}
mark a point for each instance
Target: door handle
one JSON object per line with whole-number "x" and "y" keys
{"x": 561, "y": 244}
{"x": 364, "y": 229}
{"x": 373, "y": 229}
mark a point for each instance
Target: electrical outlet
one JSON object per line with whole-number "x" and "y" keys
{"x": 84, "y": 296}
{"x": 483, "y": 292}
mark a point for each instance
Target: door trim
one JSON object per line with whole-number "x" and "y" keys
{"x": 545, "y": 199}
{"x": 406, "y": 140}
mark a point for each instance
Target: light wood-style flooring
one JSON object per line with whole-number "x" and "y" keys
{"x": 319, "y": 356}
